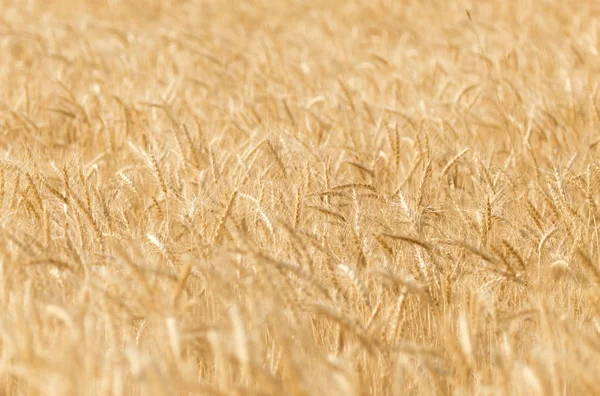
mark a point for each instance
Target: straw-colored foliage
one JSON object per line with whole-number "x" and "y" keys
{"x": 299, "y": 197}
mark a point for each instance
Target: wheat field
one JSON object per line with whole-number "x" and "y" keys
{"x": 299, "y": 198}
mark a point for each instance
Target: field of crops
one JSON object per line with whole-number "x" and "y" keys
{"x": 260, "y": 197}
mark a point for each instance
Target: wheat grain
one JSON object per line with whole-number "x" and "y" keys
{"x": 453, "y": 161}
{"x": 195, "y": 199}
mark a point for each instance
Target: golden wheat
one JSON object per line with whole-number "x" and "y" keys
{"x": 299, "y": 198}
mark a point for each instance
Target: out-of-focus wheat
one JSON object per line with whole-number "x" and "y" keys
{"x": 339, "y": 198}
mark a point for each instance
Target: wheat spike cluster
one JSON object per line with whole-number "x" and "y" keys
{"x": 299, "y": 197}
